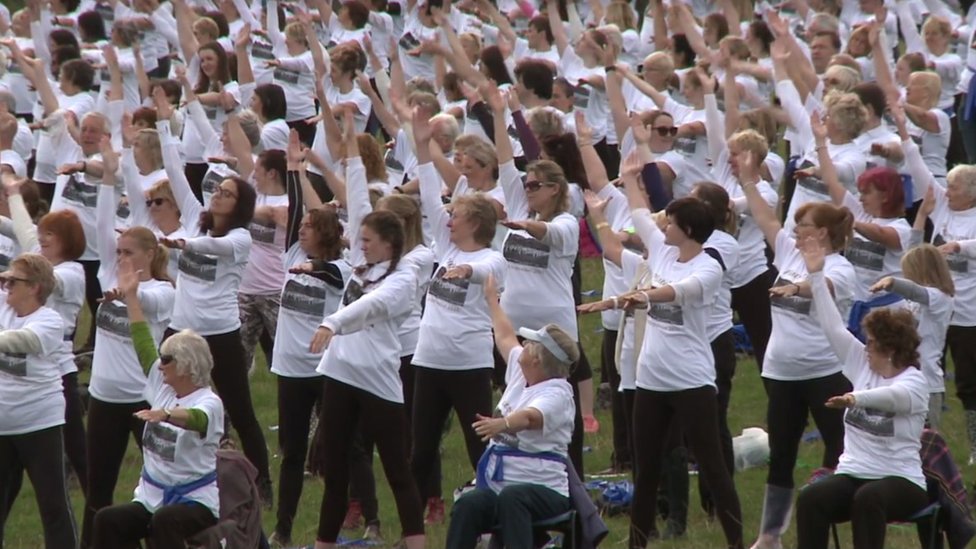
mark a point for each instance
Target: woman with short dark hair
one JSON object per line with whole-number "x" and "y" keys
{"x": 879, "y": 478}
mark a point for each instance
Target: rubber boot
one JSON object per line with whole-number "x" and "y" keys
{"x": 971, "y": 431}
{"x": 676, "y": 482}
{"x": 777, "y": 507}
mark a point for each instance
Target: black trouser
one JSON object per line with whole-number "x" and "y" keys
{"x": 109, "y": 428}
{"x": 306, "y": 132}
{"x": 869, "y": 504}
{"x": 436, "y": 392}
{"x": 628, "y": 399}
{"x": 695, "y": 411}
{"x": 74, "y": 429}
{"x": 93, "y": 295}
{"x": 512, "y": 510}
{"x": 431, "y": 487}
{"x": 229, "y": 376}
{"x": 344, "y": 408}
{"x": 723, "y": 348}
{"x": 610, "y": 155}
{"x": 362, "y": 482}
{"x": 961, "y": 341}
{"x": 786, "y": 417}
{"x": 41, "y": 454}
{"x": 194, "y": 176}
{"x": 122, "y": 526}
{"x": 751, "y": 303}
{"x": 621, "y": 457}
{"x": 297, "y": 397}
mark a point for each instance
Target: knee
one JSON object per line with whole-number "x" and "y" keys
{"x": 165, "y": 519}
{"x": 472, "y": 503}
{"x": 511, "y": 498}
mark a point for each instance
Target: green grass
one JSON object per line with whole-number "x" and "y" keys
{"x": 23, "y": 529}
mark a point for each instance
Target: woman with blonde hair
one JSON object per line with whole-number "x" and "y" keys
{"x": 927, "y": 285}
{"x": 294, "y": 71}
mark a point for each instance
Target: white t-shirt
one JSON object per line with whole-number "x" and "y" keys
{"x": 296, "y": 76}
{"x": 414, "y": 33}
{"x": 694, "y": 149}
{"x": 305, "y": 301}
{"x": 65, "y": 149}
{"x": 880, "y": 444}
{"x": 614, "y": 282}
{"x": 633, "y": 265}
{"x": 538, "y": 287}
{"x": 932, "y": 323}
{"x": 589, "y": 99}
{"x": 67, "y": 302}
{"x": 725, "y": 246}
{"x": 849, "y": 161}
{"x": 933, "y": 145}
{"x": 265, "y": 270}
{"x": 207, "y": 284}
{"x": 952, "y": 226}
{"x": 873, "y": 260}
{"x": 173, "y": 455}
{"x": 79, "y": 193}
{"x": 553, "y": 398}
{"x": 354, "y": 96}
{"x": 686, "y": 362}
{"x": 795, "y": 320}
{"x": 274, "y": 135}
{"x": 421, "y": 259}
{"x": 31, "y": 396}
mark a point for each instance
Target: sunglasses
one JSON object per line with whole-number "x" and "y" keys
{"x": 155, "y": 201}
{"x": 665, "y": 131}
{"x": 166, "y": 359}
{"x": 8, "y": 282}
{"x": 532, "y": 186}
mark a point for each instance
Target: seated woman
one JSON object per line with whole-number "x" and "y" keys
{"x": 531, "y": 434}
{"x": 879, "y": 477}
{"x": 177, "y": 493}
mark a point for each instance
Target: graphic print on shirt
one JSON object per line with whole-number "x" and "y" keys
{"x": 304, "y": 299}
{"x": 812, "y": 184}
{"x": 668, "y": 313}
{"x": 354, "y": 291}
{"x": 525, "y": 250}
{"x": 685, "y": 146}
{"x": 113, "y": 317}
{"x": 211, "y": 181}
{"x": 581, "y": 97}
{"x": 451, "y": 291}
{"x": 287, "y": 76}
{"x": 262, "y": 50}
{"x": 408, "y": 41}
{"x": 122, "y": 211}
{"x": 869, "y": 420}
{"x": 77, "y": 191}
{"x": 14, "y": 364}
{"x": 866, "y": 254}
{"x": 958, "y": 263}
{"x": 262, "y": 231}
{"x": 796, "y": 304}
{"x": 198, "y": 266}
{"x": 160, "y": 439}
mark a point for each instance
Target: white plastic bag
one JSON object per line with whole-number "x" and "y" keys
{"x": 751, "y": 448}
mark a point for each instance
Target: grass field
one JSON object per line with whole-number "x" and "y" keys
{"x": 23, "y": 529}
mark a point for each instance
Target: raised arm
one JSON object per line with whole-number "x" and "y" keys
{"x": 828, "y": 173}
{"x": 245, "y": 74}
{"x": 184, "y": 28}
{"x": 612, "y": 246}
{"x": 560, "y": 39}
{"x": 843, "y": 342}
{"x": 644, "y": 87}
{"x": 503, "y": 143}
{"x": 190, "y": 207}
{"x": 23, "y": 226}
{"x": 505, "y": 338}
{"x": 762, "y": 213}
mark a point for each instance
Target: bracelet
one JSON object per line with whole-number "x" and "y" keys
{"x": 508, "y": 427}
{"x": 615, "y": 304}
{"x": 84, "y": 166}
{"x": 611, "y": 68}
{"x": 168, "y": 414}
{"x": 602, "y": 225}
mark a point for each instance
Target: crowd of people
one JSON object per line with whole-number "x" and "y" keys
{"x": 391, "y": 199}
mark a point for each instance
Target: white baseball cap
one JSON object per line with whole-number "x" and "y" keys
{"x": 542, "y": 336}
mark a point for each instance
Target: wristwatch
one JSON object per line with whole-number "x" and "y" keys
{"x": 168, "y": 412}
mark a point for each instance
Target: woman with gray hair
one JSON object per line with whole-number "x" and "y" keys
{"x": 523, "y": 476}
{"x": 177, "y": 495}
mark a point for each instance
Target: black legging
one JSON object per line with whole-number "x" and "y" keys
{"x": 868, "y": 504}
{"x": 621, "y": 456}
{"x": 229, "y": 376}
{"x": 723, "y": 349}
{"x": 786, "y": 417}
{"x": 122, "y": 526}
{"x": 695, "y": 411}
{"x": 436, "y": 393}
{"x": 93, "y": 296}
{"x": 961, "y": 341}
{"x": 297, "y": 397}
{"x": 751, "y": 303}
{"x": 74, "y": 429}
{"x": 109, "y": 428}
{"x": 383, "y": 421}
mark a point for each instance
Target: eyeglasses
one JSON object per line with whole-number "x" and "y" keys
{"x": 155, "y": 201}
{"x": 166, "y": 359}
{"x": 8, "y": 282}
{"x": 225, "y": 193}
{"x": 534, "y": 185}
{"x": 665, "y": 131}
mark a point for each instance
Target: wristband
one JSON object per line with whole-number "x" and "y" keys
{"x": 168, "y": 414}
{"x": 601, "y": 225}
{"x": 611, "y": 68}
{"x": 508, "y": 427}
{"x": 615, "y": 304}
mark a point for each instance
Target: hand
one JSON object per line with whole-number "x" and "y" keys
{"x": 789, "y": 290}
{"x": 595, "y": 307}
{"x": 813, "y": 255}
{"x": 320, "y": 341}
{"x": 584, "y": 133}
{"x": 640, "y": 131}
{"x": 163, "y": 108}
{"x": 840, "y": 402}
{"x": 631, "y": 167}
{"x": 173, "y": 243}
{"x": 421, "y": 127}
{"x": 818, "y": 128}
{"x": 296, "y": 152}
{"x": 513, "y": 101}
{"x": 779, "y": 51}
{"x": 393, "y": 51}
{"x": 882, "y": 285}
{"x": 428, "y": 47}
{"x": 301, "y": 268}
{"x": 111, "y": 57}
{"x": 128, "y": 279}
{"x": 12, "y": 184}
{"x": 488, "y": 427}
{"x": 493, "y": 97}
{"x": 880, "y": 149}
{"x": 181, "y": 75}
{"x": 950, "y": 248}
{"x": 129, "y": 132}
{"x": 812, "y": 171}
{"x": 637, "y": 299}
{"x": 458, "y": 272}
{"x": 227, "y": 101}
{"x": 522, "y": 225}
{"x": 151, "y": 416}
{"x": 607, "y": 54}
{"x": 777, "y": 25}
{"x": 928, "y": 203}
{"x": 243, "y": 39}
{"x": 874, "y": 35}
{"x": 897, "y": 111}
{"x": 707, "y": 79}
{"x": 594, "y": 204}
{"x": 273, "y": 63}
{"x": 71, "y": 168}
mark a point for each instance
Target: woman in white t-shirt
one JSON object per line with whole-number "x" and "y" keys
{"x": 927, "y": 286}
{"x": 362, "y": 363}
{"x": 117, "y": 385}
{"x": 799, "y": 378}
{"x": 879, "y": 478}
{"x": 524, "y": 475}
{"x": 266, "y": 99}
{"x": 316, "y": 275}
{"x": 259, "y": 295}
{"x": 453, "y": 361}
{"x": 59, "y": 237}
{"x": 31, "y": 399}
{"x": 294, "y": 71}
{"x": 211, "y": 266}
{"x": 177, "y": 495}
